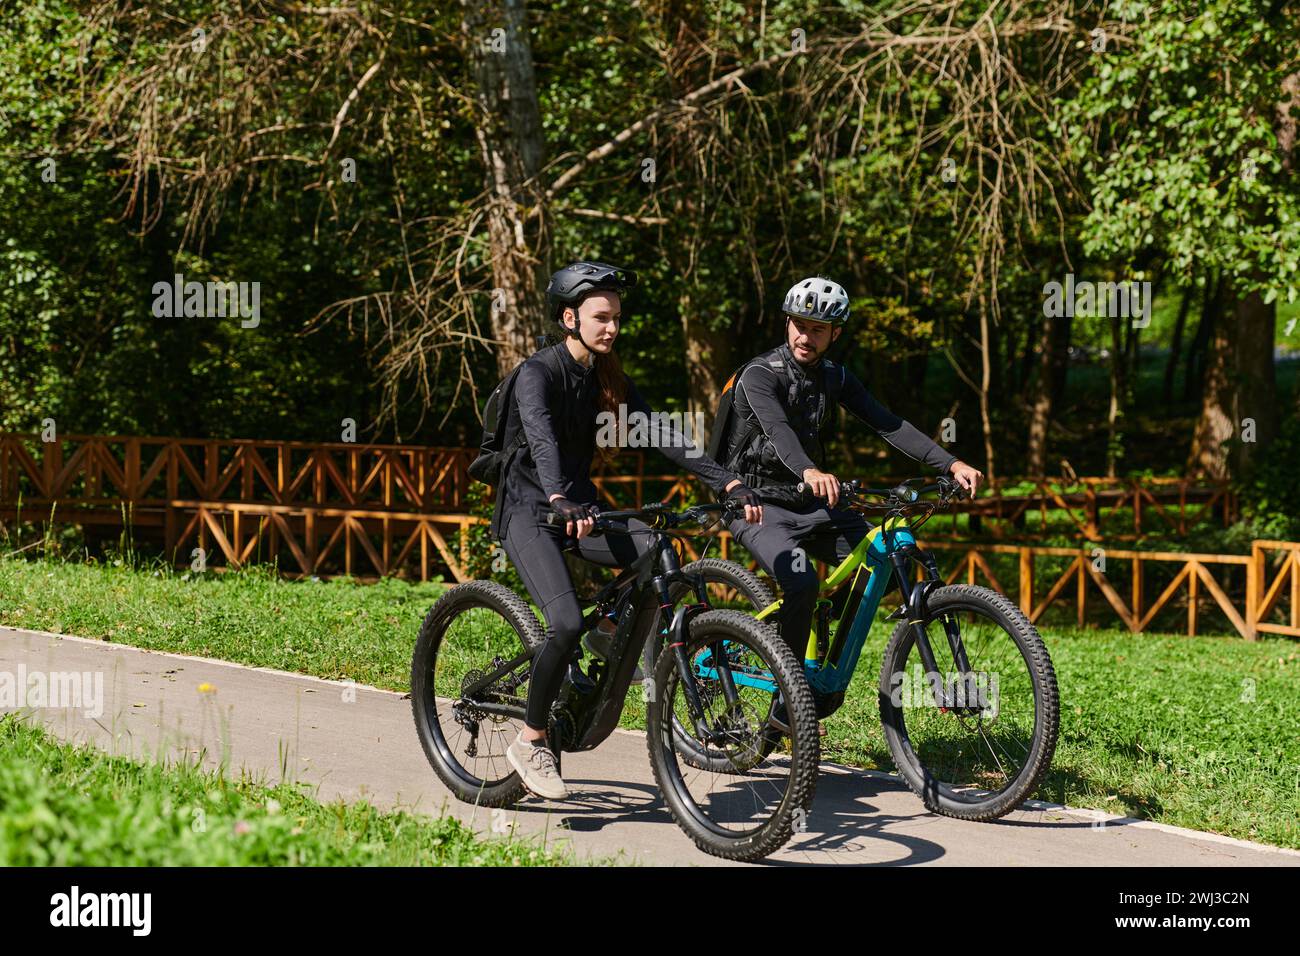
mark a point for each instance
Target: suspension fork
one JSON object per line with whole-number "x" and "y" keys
{"x": 915, "y": 596}
{"x": 677, "y": 632}
{"x": 950, "y": 628}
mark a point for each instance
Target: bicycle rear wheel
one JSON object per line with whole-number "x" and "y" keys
{"x": 747, "y": 815}
{"x": 472, "y": 630}
{"x": 982, "y": 755}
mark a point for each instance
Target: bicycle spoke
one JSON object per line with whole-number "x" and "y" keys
{"x": 471, "y": 647}
{"x": 984, "y": 750}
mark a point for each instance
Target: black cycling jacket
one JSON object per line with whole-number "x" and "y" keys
{"x": 555, "y": 405}
{"x": 789, "y": 419}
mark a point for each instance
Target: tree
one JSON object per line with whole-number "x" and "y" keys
{"x": 1184, "y": 146}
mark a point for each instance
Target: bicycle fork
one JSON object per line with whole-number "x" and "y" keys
{"x": 677, "y": 633}
{"x": 915, "y": 610}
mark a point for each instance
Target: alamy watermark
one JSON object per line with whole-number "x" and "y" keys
{"x": 54, "y": 689}
{"x": 74, "y": 908}
{"x": 208, "y": 300}
{"x": 932, "y": 689}
{"x": 633, "y": 429}
{"x": 1123, "y": 300}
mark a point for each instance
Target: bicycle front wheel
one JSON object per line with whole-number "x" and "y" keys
{"x": 972, "y": 743}
{"x": 738, "y": 816}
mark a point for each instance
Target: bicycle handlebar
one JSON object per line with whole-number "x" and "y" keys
{"x": 658, "y": 516}
{"x": 900, "y": 496}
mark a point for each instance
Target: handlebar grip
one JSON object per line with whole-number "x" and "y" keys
{"x": 805, "y": 489}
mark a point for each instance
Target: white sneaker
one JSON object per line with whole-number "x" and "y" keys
{"x": 535, "y": 765}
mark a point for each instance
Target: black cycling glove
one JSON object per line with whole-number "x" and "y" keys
{"x": 742, "y": 495}
{"x": 569, "y": 510}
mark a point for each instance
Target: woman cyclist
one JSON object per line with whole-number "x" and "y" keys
{"x": 557, "y": 396}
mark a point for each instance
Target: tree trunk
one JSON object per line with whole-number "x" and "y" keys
{"x": 708, "y": 355}
{"x": 1214, "y": 428}
{"x": 1256, "y": 386}
{"x": 1062, "y": 329}
{"x": 1176, "y": 347}
{"x": 1040, "y": 402}
{"x": 986, "y": 420}
{"x": 1028, "y": 358}
{"x": 1117, "y": 385}
{"x": 1193, "y": 374}
{"x": 509, "y": 131}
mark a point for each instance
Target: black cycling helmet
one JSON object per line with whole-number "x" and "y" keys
{"x": 574, "y": 282}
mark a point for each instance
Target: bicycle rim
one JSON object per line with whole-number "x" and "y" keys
{"x": 734, "y": 793}
{"x": 472, "y": 741}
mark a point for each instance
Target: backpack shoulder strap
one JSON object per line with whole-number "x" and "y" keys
{"x": 750, "y": 428}
{"x": 507, "y": 395}
{"x": 833, "y": 374}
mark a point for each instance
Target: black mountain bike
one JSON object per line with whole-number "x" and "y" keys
{"x": 471, "y": 666}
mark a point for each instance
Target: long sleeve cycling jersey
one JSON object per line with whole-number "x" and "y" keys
{"x": 784, "y": 407}
{"x": 555, "y": 405}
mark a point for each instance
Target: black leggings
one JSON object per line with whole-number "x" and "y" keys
{"x": 535, "y": 551}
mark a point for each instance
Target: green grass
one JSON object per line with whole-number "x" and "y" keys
{"x": 1196, "y": 732}
{"x": 67, "y": 805}
{"x": 336, "y": 629}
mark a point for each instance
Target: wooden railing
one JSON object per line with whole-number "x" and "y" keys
{"x": 375, "y": 510}
{"x": 1087, "y": 508}
{"x": 367, "y": 510}
{"x": 1266, "y": 595}
{"x": 106, "y": 469}
{"x": 1249, "y": 605}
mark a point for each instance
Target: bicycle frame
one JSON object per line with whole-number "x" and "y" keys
{"x": 586, "y": 711}
{"x": 884, "y": 552}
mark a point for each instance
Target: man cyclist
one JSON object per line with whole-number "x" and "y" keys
{"x": 781, "y": 401}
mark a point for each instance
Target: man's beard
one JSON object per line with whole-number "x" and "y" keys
{"x": 816, "y": 354}
{"x": 814, "y": 358}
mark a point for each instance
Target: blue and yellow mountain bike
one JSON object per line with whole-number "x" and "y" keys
{"x": 968, "y": 697}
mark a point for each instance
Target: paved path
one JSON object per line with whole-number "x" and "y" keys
{"x": 358, "y": 742}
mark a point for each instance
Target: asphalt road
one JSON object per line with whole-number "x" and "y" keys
{"x": 358, "y": 742}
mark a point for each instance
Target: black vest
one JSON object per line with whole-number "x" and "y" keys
{"x": 808, "y": 397}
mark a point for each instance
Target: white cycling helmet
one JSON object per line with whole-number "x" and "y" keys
{"x": 818, "y": 299}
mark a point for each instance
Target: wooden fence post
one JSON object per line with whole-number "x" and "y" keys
{"x": 1027, "y": 580}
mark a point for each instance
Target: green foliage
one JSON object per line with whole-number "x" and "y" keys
{"x": 1187, "y": 161}
{"x": 487, "y": 559}
{"x": 1137, "y": 164}
{"x": 1270, "y": 496}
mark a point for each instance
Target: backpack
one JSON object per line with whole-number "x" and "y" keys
{"x": 726, "y": 408}
{"x": 493, "y": 453}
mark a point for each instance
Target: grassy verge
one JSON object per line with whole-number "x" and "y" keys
{"x": 1195, "y": 732}
{"x": 66, "y": 805}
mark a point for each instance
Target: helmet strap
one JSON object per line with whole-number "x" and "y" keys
{"x": 576, "y": 331}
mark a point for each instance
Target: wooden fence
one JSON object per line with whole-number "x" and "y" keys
{"x": 375, "y": 510}
{"x": 316, "y": 505}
